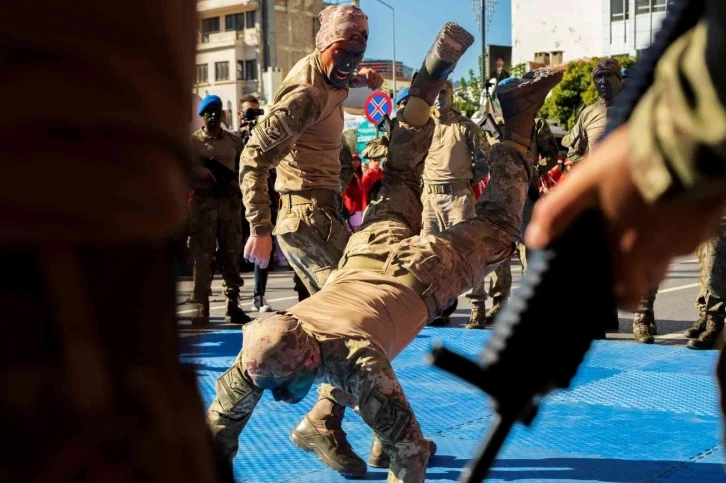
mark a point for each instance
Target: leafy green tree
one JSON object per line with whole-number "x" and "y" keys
{"x": 518, "y": 70}
{"x": 575, "y": 91}
{"x": 466, "y": 97}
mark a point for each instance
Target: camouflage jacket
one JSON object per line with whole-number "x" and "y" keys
{"x": 458, "y": 150}
{"x": 586, "y": 132}
{"x": 544, "y": 145}
{"x": 301, "y": 137}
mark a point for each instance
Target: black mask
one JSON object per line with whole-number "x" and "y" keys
{"x": 608, "y": 85}
{"x": 213, "y": 117}
{"x": 345, "y": 62}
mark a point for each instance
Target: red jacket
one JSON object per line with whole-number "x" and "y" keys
{"x": 369, "y": 179}
{"x": 354, "y": 195}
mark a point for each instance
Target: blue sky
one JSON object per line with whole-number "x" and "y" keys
{"x": 417, "y": 21}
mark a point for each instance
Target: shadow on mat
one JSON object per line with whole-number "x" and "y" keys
{"x": 578, "y": 469}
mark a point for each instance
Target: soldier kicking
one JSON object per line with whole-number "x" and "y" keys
{"x": 390, "y": 282}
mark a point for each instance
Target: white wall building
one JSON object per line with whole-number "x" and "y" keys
{"x": 247, "y": 46}
{"x": 554, "y": 31}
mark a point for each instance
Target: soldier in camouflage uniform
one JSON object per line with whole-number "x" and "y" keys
{"x": 214, "y": 218}
{"x": 660, "y": 178}
{"x": 389, "y": 284}
{"x": 590, "y": 124}
{"x": 302, "y": 136}
{"x": 707, "y": 332}
{"x": 456, "y": 160}
{"x": 544, "y": 151}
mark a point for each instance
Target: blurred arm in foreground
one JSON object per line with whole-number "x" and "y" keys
{"x": 93, "y": 191}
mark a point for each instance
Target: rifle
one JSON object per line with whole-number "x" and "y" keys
{"x": 488, "y": 124}
{"x": 519, "y": 334}
{"x": 225, "y": 177}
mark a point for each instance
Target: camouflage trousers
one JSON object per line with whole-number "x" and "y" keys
{"x": 711, "y": 297}
{"x": 442, "y": 211}
{"x": 215, "y": 223}
{"x": 312, "y": 238}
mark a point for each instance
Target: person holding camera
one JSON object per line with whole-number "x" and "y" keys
{"x": 214, "y": 218}
{"x": 250, "y": 112}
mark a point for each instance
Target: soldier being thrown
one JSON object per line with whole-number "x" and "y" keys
{"x": 389, "y": 278}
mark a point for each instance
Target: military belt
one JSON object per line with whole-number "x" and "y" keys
{"x": 320, "y": 197}
{"x": 405, "y": 277}
{"x": 446, "y": 188}
{"x": 517, "y": 147}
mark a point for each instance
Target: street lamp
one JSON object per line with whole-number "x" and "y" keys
{"x": 393, "y": 13}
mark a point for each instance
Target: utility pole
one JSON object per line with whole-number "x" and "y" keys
{"x": 483, "y": 23}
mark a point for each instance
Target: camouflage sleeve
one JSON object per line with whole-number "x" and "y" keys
{"x": 679, "y": 125}
{"x": 479, "y": 147}
{"x": 546, "y": 146}
{"x": 271, "y": 140}
{"x": 346, "y": 166}
{"x": 577, "y": 141}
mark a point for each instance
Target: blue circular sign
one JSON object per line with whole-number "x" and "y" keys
{"x": 377, "y": 106}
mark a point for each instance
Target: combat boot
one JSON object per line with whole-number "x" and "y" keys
{"x": 201, "y": 317}
{"x": 641, "y": 328}
{"x": 478, "y": 318}
{"x": 379, "y": 459}
{"x": 235, "y": 314}
{"x": 496, "y": 308}
{"x": 698, "y": 327}
{"x": 321, "y": 432}
{"x": 709, "y": 338}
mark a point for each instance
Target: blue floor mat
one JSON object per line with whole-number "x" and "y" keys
{"x": 635, "y": 413}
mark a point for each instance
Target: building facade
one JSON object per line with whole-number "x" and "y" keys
{"x": 557, "y": 31}
{"x": 248, "y": 46}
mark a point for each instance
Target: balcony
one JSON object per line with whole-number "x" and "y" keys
{"x": 212, "y": 5}
{"x": 228, "y": 38}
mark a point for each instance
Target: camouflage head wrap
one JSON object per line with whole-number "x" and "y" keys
{"x": 609, "y": 65}
{"x": 341, "y": 22}
{"x": 275, "y": 347}
{"x": 376, "y": 149}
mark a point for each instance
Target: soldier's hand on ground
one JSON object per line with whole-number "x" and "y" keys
{"x": 643, "y": 237}
{"x": 373, "y": 79}
{"x": 205, "y": 174}
{"x": 258, "y": 249}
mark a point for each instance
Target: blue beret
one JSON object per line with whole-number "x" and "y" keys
{"x": 402, "y": 95}
{"x": 209, "y": 101}
{"x": 506, "y": 81}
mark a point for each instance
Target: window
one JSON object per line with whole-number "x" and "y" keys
{"x": 234, "y": 21}
{"x": 250, "y": 70}
{"x": 646, "y": 6}
{"x": 202, "y": 73}
{"x": 221, "y": 71}
{"x": 619, "y": 10}
{"x": 209, "y": 26}
{"x": 251, "y": 19}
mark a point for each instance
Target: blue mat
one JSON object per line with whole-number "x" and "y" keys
{"x": 636, "y": 413}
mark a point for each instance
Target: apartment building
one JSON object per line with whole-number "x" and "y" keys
{"x": 248, "y": 46}
{"x": 555, "y": 31}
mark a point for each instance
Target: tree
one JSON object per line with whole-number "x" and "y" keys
{"x": 518, "y": 70}
{"x": 575, "y": 91}
{"x": 466, "y": 97}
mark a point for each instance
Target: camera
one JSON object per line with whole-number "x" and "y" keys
{"x": 250, "y": 114}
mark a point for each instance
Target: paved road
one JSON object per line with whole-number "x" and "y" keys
{"x": 675, "y": 310}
